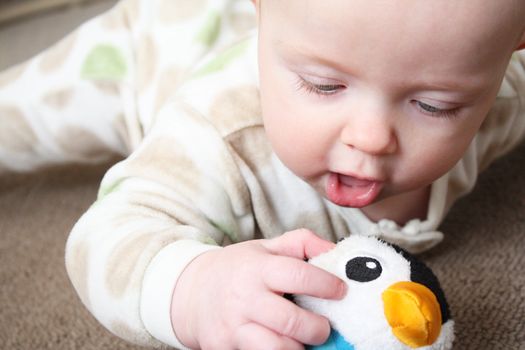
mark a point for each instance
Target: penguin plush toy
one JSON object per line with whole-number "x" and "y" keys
{"x": 393, "y": 301}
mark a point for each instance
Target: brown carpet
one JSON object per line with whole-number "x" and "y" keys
{"x": 481, "y": 263}
{"x": 39, "y": 309}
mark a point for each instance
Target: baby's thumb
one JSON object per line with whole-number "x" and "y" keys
{"x": 300, "y": 244}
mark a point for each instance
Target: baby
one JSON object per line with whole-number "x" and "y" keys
{"x": 248, "y": 151}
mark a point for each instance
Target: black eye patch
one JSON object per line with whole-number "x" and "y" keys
{"x": 363, "y": 269}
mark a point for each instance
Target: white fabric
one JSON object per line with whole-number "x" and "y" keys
{"x": 159, "y": 282}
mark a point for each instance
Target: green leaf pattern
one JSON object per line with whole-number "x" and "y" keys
{"x": 104, "y": 62}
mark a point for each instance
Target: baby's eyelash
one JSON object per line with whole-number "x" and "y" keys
{"x": 317, "y": 89}
{"x": 436, "y": 112}
{"x": 324, "y": 90}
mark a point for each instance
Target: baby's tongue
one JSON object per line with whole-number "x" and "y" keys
{"x": 354, "y": 182}
{"x": 349, "y": 191}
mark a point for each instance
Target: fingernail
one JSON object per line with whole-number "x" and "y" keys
{"x": 341, "y": 290}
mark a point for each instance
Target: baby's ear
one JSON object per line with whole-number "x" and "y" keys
{"x": 521, "y": 45}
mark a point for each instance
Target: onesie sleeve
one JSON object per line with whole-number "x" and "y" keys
{"x": 72, "y": 102}
{"x": 178, "y": 195}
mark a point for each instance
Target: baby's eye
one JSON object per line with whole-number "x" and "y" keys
{"x": 435, "y": 111}
{"x": 426, "y": 107}
{"x": 318, "y": 89}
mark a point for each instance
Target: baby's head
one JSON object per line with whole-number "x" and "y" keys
{"x": 381, "y": 96}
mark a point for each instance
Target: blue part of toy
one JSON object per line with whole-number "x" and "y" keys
{"x": 335, "y": 342}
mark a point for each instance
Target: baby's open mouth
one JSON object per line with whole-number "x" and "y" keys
{"x": 350, "y": 191}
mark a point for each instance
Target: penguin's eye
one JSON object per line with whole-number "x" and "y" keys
{"x": 363, "y": 269}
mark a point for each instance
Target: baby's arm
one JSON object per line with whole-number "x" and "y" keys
{"x": 73, "y": 102}
{"x": 179, "y": 195}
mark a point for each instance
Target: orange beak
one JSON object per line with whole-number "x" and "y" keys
{"x": 413, "y": 312}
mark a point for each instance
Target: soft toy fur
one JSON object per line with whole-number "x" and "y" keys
{"x": 394, "y": 302}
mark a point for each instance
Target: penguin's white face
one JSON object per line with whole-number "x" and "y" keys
{"x": 369, "y": 267}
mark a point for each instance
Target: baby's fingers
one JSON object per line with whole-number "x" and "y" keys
{"x": 287, "y": 319}
{"x": 300, "y": 244}
{"x": 293, "y": 276}
{"x": 256, "y": 337}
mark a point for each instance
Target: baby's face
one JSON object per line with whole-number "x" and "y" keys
{"x": 370, "y": 99}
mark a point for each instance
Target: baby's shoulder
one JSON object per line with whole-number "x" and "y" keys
{"x": 223, "y": 87}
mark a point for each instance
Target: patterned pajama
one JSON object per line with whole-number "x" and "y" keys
{"x": 172, "y": 86}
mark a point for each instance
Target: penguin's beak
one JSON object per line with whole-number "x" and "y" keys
{"x": 413, "y": 312}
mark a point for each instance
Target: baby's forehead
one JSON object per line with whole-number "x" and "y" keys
{"x": 479, "y": 13}
{"x": 486, "y": 30}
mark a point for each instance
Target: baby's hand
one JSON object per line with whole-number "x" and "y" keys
{"x": 232, "y": 298}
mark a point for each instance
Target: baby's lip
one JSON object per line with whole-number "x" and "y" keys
{"x": 352, "y": 191}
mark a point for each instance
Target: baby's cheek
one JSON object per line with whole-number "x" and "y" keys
{"x": 299, "y": 150}
{"x": 430, "y": 166}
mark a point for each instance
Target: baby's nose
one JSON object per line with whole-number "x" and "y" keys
{"x": 373, "y": 135}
